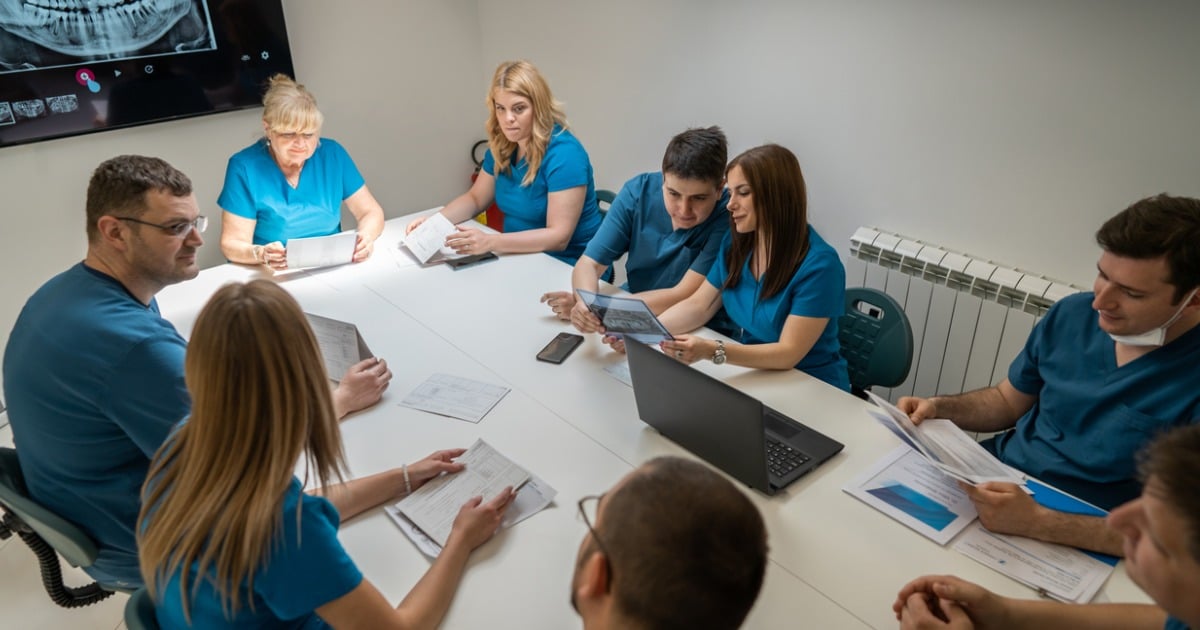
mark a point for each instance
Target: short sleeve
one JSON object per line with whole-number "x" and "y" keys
{"x": 565, "y": 166}
{"x": 489, "y": 163}
{"x": 719, "y": 269}
{"x": 616, "y": 231}
{"x": 235, "y": 195}
{"x": 1023, "y": 372}
{"x": 820, "y": 289}
{"x": 309, "y": 568}
{"x": 352, "y": 179}
{"x": 146, "y": 394}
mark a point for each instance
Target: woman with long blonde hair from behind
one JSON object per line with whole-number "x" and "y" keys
{"x": 224, "y": 516}
{"x": 535, "y": 170}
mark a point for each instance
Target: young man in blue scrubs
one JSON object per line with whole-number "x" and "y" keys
{"x": 1100, "y": 376}
{"x": 670, "y": 223}
{"x": 93, "y": 375}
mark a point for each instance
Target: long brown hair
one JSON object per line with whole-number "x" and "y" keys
{"x": 260, "y": 398}
{"x": 780, "y": 200}
{"x": 523, "y": 79}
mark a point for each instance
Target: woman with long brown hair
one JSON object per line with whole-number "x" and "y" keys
{"x": 226, "y": 536}
{"x": 782, "y": 285}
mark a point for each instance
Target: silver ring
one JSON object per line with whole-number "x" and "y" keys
{"x": 679, "y": 354}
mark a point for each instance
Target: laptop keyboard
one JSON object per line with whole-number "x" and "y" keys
{"x": 783, "y": 459}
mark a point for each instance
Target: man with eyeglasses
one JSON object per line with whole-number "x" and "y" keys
{"x": 93, "y": 375}
{"x": 672, "y": 545}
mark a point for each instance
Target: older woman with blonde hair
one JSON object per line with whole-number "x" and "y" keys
{"x": 227, "y": 537}
{"x": 535, "y": 170}
{"x": 291, "y": 184}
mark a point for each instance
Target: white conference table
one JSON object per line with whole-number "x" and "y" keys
{"x": 835, "y": 562}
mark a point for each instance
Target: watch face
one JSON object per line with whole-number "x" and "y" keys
{"x": 719, "y": 359}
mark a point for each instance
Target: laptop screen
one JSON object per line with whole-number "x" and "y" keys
{"x": 715, "y": 421}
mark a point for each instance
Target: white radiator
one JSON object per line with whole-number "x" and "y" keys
{"x": 970, "y": 317}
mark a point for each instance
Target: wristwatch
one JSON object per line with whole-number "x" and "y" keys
{"x": 719, "y": 355}
{"x": 258, "y": 251}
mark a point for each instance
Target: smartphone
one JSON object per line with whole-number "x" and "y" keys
{"x": 467, "y": 261}
{"x": 560, "y": 348}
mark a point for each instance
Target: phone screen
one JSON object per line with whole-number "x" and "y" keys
{"x": 560, "y": 348}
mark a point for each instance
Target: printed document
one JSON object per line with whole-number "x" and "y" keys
{"x": 1062, "y": 572}
{"x": 321, "y": 251}
{"x": 341, "y": 344}
{"x": 433, "y": 507}
{"x": 945, "y": 446}
{"x": 907, "y": 487}
{"x": 533, "y": 497}
{"x": 429, "y": 239}
{"x": 625, "y": 317}
{"x": 455, "y": 396}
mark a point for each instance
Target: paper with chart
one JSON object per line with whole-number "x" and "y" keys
{"x": 428, "y": 241}
{"x": 341, "y": 344}
{"x": 907, "y": 487}
{"x": 533, "y": 497}
{"x": 625, "y": 317}
{"x": 945, "y": 445}
{"x": 433, "y": 507}
{"x": 1062, "y": 572}
{"x": 321, "y": 251}
{"x": 455, "y": 397}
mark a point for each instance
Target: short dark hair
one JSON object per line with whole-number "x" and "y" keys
{"x": 688, "y": 550}
{"x": 698, "y": 153}
{"x": 118, "y": 187}
{"x": 1161, "y": 225}
{"x": 1173, "y": 460}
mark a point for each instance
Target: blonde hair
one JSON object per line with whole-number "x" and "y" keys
{"x": 260, "y": 398}
{"x": 523, "y": 79}
{"x": 289, "y": 107}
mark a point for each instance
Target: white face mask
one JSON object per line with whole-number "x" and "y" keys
{"x": 1155, "y": 337}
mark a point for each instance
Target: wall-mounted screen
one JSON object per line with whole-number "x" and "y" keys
{"x": 70, "y": 67}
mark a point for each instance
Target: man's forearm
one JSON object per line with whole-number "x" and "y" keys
{"x": 1077, "y": 530}
{"x": 983, "y": 410}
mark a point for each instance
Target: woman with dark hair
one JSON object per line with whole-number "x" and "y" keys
{"x": 781, "y": 284}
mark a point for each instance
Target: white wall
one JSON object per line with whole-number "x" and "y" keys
{"x": 399, "y": 85}
{"x": 1006, "y": 129}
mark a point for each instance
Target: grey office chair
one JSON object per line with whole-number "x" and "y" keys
{"x": 46, "y": 533}
{"x": 876, "y": 340}
{"x": 139, "y": 611}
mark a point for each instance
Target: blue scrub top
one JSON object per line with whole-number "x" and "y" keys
{"x": 307, "y": 569}
{"x": 1092, "y": 417}
{"x": 638, "y": 223}
{"x": 817, "y": 289}
{"x": 256, "y": 189}
{"x": 565, "y": 165}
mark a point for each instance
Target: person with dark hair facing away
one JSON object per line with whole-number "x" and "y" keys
{"x": 671, "y": 224}
{"x": 93, "y": 375}
{"x": 780, "y": 283}
{"x": 1161, "y": 538}
{"x": 1100, "y": 375}
{"x": 672, "y": 545}
{"x": 227, "y": 536}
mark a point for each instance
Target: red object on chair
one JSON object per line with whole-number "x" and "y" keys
{"x": 492, "y": 217}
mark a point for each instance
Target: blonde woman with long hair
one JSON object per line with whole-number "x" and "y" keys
{"x": 535, "y": 170}
{"x": 227, "y": 537}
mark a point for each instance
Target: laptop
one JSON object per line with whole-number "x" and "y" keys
{"x": 730, "y": 429}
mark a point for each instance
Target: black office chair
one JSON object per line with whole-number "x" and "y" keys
{"x": 139, "y": 611}
{"x": 605, "y": 197}
{"x": 46, "y": 533}
{"x": 876, "y": 340}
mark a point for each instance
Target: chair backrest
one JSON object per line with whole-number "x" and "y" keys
{"x": 876, "y": 339}
{"x": 64, "y": 536}
{"x": 606, "y": 198}
{"x": 139, "y": 611}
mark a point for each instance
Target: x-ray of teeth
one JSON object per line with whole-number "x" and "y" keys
{"x": 62, "y": 104}
{"x": 41, "y": 33}
{"x": 30, "y": 109}
{"x": 6, "y": 114}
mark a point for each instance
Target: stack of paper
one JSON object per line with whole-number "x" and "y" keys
{"x": 455, "y": 396}
{"x": 321, "y": 251}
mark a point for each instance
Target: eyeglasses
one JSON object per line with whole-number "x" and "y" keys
{"x": 589, "y": 509}
{"x": 179, "y": 229}
{"x": 292, "y": 136}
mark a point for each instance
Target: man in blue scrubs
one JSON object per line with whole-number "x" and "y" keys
{"x": 93, "y": 374}
{"x": 1100, "y": 376}
{"x": 670, "y": 223}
